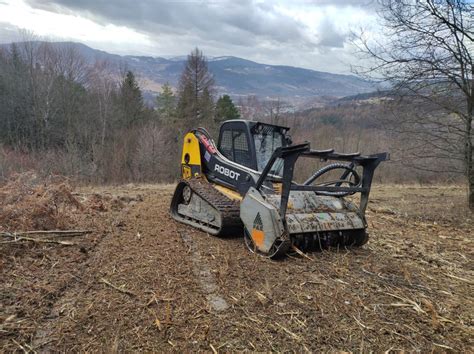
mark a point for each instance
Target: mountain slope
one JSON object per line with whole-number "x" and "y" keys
{"x": 235, "y": 76}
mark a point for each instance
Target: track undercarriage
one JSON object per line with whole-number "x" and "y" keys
{"x": 197, "y": 203}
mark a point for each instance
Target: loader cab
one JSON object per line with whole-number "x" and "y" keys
{"x": 251, "y": 144}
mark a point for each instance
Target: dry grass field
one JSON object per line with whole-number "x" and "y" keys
{"x": 140, "y": 281}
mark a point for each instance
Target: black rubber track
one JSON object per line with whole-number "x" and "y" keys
{"x": 229, "y": 209}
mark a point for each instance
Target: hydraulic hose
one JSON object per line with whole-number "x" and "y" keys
{"x": 348, "y": 170}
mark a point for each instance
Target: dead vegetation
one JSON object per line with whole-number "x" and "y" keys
{"x": 29, "y": 203}
{"x": 139, "y": 281}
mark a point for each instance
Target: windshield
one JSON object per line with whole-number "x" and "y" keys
{"x": 267, "y": 140}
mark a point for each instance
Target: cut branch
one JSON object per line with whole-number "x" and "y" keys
{"x": 118, "y": 288}
{"x": 16, "y": 237}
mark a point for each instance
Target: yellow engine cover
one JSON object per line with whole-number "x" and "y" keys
{"x": 191, "y": 157}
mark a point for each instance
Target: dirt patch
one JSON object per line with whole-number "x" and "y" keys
{"x": 204, "y": 275}
{"x": 139, "y": 286}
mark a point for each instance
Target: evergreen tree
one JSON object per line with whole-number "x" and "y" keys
{"x": 195, "y": 89}
{"x": 225, "y": 109}
{"x": 130, "y": 99}
{"x": 166, "y": 103}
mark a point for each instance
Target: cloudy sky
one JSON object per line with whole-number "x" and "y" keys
{"x": 308, "y": 33}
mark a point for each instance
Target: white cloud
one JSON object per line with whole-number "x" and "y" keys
{"x": 67, "y": 26}
{"x": 311, "y": 34}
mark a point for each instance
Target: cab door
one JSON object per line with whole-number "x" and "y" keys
{"x": 235, "y": 144}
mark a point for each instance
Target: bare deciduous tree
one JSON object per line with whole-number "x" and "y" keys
{"x": 102, "y": 86}
{"x": 196, "y": 88}
{"x": 426, "y": 53}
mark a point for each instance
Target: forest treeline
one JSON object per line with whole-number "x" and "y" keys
{"x": 61, "y": 115}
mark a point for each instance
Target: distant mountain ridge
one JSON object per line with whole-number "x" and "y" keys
{"x": 235, "y": 76}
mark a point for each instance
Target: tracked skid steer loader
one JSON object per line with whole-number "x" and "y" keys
{"x": 246, "y": 183}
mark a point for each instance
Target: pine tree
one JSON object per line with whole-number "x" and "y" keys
{"x": 130, "y": 99}
{"x": 225, "y": 109}
{"x": 195, "y": 89}
{"x": 166, "y": 103}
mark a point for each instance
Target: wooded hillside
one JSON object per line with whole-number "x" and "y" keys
{"x": 61, "y": 115}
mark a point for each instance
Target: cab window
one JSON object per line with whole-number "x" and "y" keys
{"x": 234, "y": 146}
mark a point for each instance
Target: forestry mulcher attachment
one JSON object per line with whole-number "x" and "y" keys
{"x": 247, "y": 180}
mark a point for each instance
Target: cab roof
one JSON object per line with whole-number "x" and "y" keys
{"x": 253, "y": 124}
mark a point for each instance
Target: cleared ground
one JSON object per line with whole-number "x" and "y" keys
{"x": 140, "y": 281}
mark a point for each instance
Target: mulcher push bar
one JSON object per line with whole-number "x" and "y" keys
{"x": 290, "y": 155}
